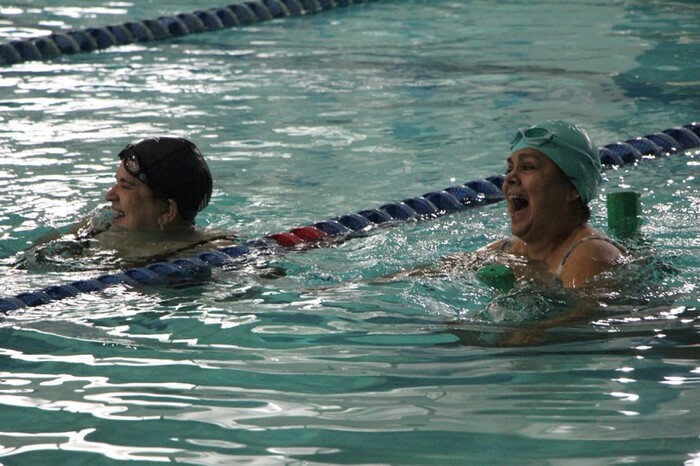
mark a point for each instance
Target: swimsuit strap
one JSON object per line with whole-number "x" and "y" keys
{"x": 587, "y": 238}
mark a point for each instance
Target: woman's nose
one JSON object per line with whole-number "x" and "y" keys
{"x": 110, "y": 195}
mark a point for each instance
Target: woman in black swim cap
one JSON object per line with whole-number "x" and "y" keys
{"x": 161, "y": 185}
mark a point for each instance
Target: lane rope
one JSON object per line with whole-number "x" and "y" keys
{"x": 93, "y": 39}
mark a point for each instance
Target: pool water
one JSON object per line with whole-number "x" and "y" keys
{"x": 325, "y": 361}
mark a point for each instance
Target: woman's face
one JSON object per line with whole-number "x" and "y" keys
{"x": 135, "y": 207}
{"x": 538, "y": 195}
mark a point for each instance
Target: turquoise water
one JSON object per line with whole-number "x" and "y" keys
{"x": 308, "y": 118}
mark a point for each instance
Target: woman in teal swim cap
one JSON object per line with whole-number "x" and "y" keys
{"x": 553, "y": 173}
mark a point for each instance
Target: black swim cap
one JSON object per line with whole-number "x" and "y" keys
{"x": 175, "y": 168}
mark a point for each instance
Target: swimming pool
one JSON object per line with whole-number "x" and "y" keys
{"x": 307, "y": 118}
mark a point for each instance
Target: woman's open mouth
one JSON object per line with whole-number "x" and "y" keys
{"x": 117, "y": 214}
{"x": 518, "y": 203}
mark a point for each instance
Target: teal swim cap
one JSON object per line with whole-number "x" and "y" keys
{"x": 570, "y": 148}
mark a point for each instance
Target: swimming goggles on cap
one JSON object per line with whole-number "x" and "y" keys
{"x": 541, "y": 136}
{"x": 132, "y": 163}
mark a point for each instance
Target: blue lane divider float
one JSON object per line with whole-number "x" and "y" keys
{"x": 430, "y": 205}
{"x": 164, "y": 27}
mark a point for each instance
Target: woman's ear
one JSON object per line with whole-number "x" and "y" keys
{"x": 169, "y": 215}
{"x": 572, "y": 194}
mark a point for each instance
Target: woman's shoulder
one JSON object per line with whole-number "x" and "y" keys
{"x": 594, "y": 243}
{"x": 588, "y": 255}
{"x": 200, "y": 239}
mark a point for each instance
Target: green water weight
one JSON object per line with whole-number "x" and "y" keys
{"x": 624, "y": 213}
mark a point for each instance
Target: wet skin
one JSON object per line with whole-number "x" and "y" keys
{"x": 135, "y": 206}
